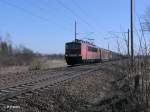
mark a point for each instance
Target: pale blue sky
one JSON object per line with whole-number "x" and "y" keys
{"x": 45, "y": 25}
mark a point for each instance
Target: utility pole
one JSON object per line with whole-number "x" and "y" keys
{"x": 108, "y": 45}
{"x": 128, "y": 42}
{"x": 75, "y": 33}
{"x": 132, "y": 49}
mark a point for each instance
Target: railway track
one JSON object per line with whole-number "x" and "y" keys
{"x": 46, "y": 78}
{"x": 33, "y": 76}
{"x": 26, "y": 77}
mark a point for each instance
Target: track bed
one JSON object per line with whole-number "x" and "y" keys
{"x": 42, "y": 81}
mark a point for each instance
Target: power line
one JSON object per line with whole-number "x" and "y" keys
{"x": 62, "y": 4}
{"x": 81, "y": 10}
{"x": 73, "y": 13}
{"x": 23, "y": 9}
{"x": 46, "y": 7}
{"x": 28, "y": 12}
{"x": 37, "y": 6}
{"x": 84, "y": 13}
{"x": 46, "y": 10}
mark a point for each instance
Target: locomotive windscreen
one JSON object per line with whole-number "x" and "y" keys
{"x": 73, "y": 48}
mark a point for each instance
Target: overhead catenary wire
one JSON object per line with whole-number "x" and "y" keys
{"x": 32, "y": 14}
{"x": 73, "y": 13}
{"x": 90, "y": 26}
{"x": 44, "y": 6}
{"x": 81, "y": 9}
{"x": 93, "y": 25}
{"x": 47, "y": 9}
{"x": 45, "y": 3}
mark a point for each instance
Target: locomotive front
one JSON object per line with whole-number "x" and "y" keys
{"x": 73, "y": 53}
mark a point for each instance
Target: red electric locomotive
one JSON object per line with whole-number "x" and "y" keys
{"x": 82, "y": 52}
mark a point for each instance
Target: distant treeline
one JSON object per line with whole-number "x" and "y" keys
{"x": 21, "y": 55}
{"x": 55, "y": 56}
{"x": 14, "y": 56}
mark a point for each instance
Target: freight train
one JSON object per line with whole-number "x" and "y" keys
{"x": 83, "y": 52}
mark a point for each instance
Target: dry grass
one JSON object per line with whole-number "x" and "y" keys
{"x": 13, "y": 69}
{"x": 91, "y": 87}
{"x": 54, "y": 63}
{"x": 37, "y": 64}
{"x": 78, "y": 95}
{"x": 45, "y": 63}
